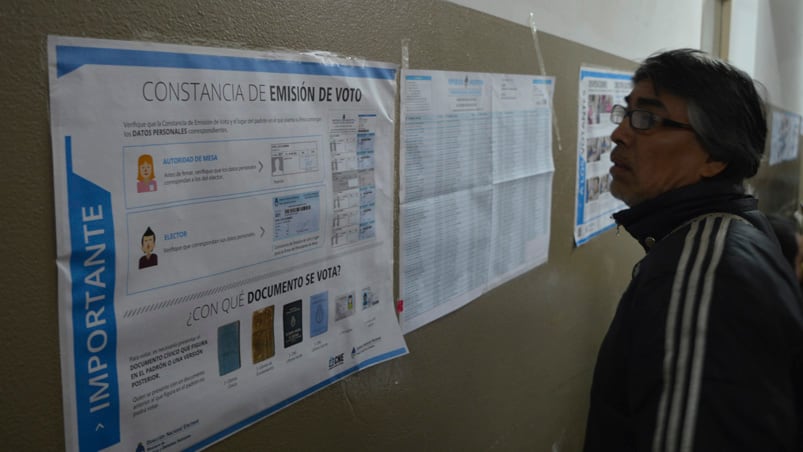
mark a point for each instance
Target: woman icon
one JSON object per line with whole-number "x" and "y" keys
{"x": 145, "y": 180}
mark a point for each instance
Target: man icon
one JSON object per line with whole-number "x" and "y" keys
{"x": 148, "y": 243}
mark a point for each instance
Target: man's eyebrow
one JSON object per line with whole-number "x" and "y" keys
{"x": 650, "y": 102}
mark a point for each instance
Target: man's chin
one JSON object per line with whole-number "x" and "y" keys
{"x": 622, "y": 195}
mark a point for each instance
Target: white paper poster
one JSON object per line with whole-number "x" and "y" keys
{"x": 600, "y": 90}
{"x": 784, "y": 136}
{"x": 476, "y": 186}
{"x": 224, "y": 227}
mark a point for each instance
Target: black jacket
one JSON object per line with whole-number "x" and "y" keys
{"x": 704, "y": 351}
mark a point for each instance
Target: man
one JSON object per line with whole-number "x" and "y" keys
{"x": 703, "y": 352}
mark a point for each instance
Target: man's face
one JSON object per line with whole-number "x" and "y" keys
{"x": 647, "y": 163}
{"x": 147, "y": 244}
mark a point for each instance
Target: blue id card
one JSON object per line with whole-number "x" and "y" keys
{"x": 228, "y": 347}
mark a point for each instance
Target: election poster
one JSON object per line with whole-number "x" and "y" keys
{"x": 784, "y": 136}
{"x": 599, "y": 91}
{"x": 224, "y": 235}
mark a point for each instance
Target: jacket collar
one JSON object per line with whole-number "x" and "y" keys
{"x": 652, "y": 220}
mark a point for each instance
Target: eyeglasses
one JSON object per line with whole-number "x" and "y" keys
{"x": 643, "y": 120}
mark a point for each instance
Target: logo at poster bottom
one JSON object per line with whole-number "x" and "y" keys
{"x": 336, "y": 360}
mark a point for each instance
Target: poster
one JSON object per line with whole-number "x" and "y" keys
{"x": 476, "y": 186}
{"x": 600, "y": 90}
{"x": 784, "y": 136}
{"x": 224, "y": 229}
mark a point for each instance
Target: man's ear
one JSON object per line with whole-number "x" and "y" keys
{"x": 712, "y": 167}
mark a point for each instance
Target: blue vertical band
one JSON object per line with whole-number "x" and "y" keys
{"x": 92, "y": 270}
{"x": 581, "y": 192}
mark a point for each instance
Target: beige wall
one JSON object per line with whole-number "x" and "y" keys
{"x": 511, "y": 371}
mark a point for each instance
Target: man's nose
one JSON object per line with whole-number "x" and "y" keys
{"x": 622, "y": 132}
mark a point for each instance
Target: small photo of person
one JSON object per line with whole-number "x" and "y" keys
{"x": 598, "y": 106}
{"x": 604, "y": 145}
{"x": 277, "y": 166}
{"x": 145, "y": 174}
{"x": 605, "y": 103}
{"x": 148, "y": 244}
{"x": 592, "y": 189}
{"x": 604, "y": 184}
{"x": 592, "y": 150}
